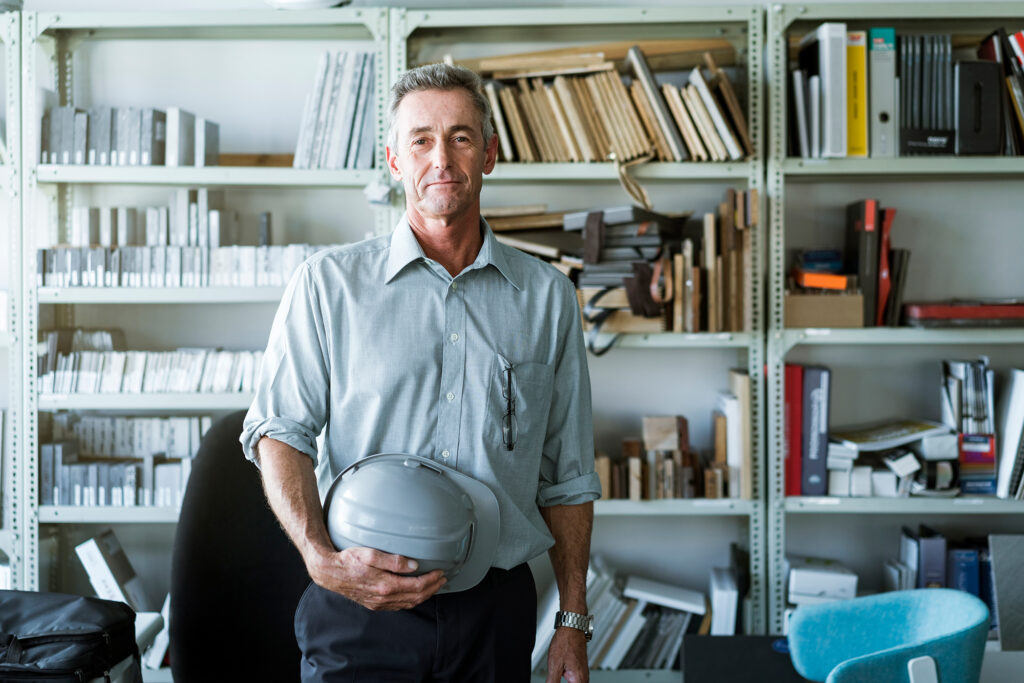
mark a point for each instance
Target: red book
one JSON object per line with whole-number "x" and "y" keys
{"x": 793, "y": 413}
{"x": 884, "y": 278}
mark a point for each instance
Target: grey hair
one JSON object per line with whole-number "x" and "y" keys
{"x": 439, "y": 77}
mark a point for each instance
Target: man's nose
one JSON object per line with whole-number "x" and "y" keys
{"x": 441, "y": 155}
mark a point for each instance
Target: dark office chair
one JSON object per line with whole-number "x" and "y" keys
{"x": 235, "y": 577}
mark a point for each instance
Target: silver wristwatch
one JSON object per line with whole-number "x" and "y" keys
{"x": 580, "y": 622}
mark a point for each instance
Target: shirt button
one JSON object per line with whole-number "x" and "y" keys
{"x": 454, "y": 337}
{"x": 450, "y": 396}
{"x": 445, "y": 453}
{"x": 455, "y": 285}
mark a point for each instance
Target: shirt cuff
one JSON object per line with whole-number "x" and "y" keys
{"x": 576, "y": 491}
{"x": 280, "y": 429}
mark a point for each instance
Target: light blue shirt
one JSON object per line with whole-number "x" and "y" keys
{"x": 380, "y": 347}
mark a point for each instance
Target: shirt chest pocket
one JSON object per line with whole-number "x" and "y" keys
{"x": 519, "y": 402}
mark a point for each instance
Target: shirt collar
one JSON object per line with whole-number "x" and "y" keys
{"x": 405, "y": 249}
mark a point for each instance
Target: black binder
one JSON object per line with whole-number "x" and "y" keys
{"x": 979, "y": 107}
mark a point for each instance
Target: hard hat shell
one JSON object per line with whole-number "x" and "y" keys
{"x": 415, "y": 507}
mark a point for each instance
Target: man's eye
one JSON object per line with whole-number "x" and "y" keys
{"x": 419, "y": 141}
{"x": 461, "y": 138}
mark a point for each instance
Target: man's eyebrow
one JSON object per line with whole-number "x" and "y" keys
{"x": 429, "y": 129}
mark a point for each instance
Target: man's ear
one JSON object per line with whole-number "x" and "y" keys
{"x": 392, "y": 160}
{"x": 491, "y": 155}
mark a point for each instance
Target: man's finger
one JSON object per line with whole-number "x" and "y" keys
{"x": 396, "y": 564}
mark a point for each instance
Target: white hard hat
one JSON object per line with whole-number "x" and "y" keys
{"x": 412, "y": 506}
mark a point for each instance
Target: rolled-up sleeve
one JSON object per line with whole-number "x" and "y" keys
{"x": 567, "y": 474}
{"x": 291, "y": 398}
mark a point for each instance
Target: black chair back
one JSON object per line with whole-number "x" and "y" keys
{"x": 236, "y": 578}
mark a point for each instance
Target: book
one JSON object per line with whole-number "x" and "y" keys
{"x": 666, "y": 595}
{"x": 181, "y": 131}
{"x": 887, "y": 434}
{"x": 861, "y": 254}
{"x": 724, "y": 596}
{"x": 801, "y": 113}
{"x": 153, "y": 657}
{"x": 882, "y": 95}
{"x": 793, "y": 429}
{"x": 857, "y": 94}
{"x": 110, "y": 572}
{"x": 822, "y": 54}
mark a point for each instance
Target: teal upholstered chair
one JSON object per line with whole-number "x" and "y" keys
{"x": 932, "y": 635}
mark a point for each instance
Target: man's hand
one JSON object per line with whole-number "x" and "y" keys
{"x": 567, "y": 656}
{"x": 374, "y": 579}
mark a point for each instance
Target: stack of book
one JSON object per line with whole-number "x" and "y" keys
{"x": 193, "y": 242}
{"x": 66, "y": 477}
{"x": 71, "y": 362}
{"x": 664, "y": 465}
{"x": 128, "y": 136}
{"x": 862, "y": 287}
{"x": 986, "y": 567}
{"x": 338, "y": 129}
{"x": 894, "y": 458}
{"x": 124, "y": 437}
{"x": 968, "y": 409}
{"x": 642, "y": 622}
{"x": 861, "y": 93}
{"x": 573, "y": 105}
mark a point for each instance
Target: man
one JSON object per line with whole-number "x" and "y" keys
{"x": 437, "y": 341}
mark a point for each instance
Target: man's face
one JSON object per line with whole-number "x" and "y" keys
{"x": 440, "y": 155}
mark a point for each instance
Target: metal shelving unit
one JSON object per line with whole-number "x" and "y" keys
{"x": 415, "y": 33}
{"x": 57, "y": 35}
{"x": 782, "y": 170}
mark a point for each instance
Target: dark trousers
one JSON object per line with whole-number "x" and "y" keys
{"x": 482, "y": 634}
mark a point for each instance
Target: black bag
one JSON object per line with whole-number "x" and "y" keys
{"x": 57, "y": 637}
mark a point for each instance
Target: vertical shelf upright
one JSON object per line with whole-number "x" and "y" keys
{"x": 12, "y": 517}
{"x": 430, "y": 35}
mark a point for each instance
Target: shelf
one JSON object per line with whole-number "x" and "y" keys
{"x": 528, "y": 172}
{"x": 672, "y": 340}
{"x": 139, "y": 514}
{"x": 190, "y": 402}
{"x": 901, "y": 335}
{"x": 166, "y": 295}
{"x": 956, "y": 167}
{"x": 917, "y": 506}
{"x": 237, "y": 176}
{"x": 695, "y": 507}
{"x": 336, "y": 24}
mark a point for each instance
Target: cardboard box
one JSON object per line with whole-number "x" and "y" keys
{"x": 823, "y": 310}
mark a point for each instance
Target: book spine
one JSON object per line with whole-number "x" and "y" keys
{"x": 793, "y": 420}
{"x": 815, "y": 431}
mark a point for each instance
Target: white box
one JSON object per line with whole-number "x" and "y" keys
{"x": 813, "y": 579}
